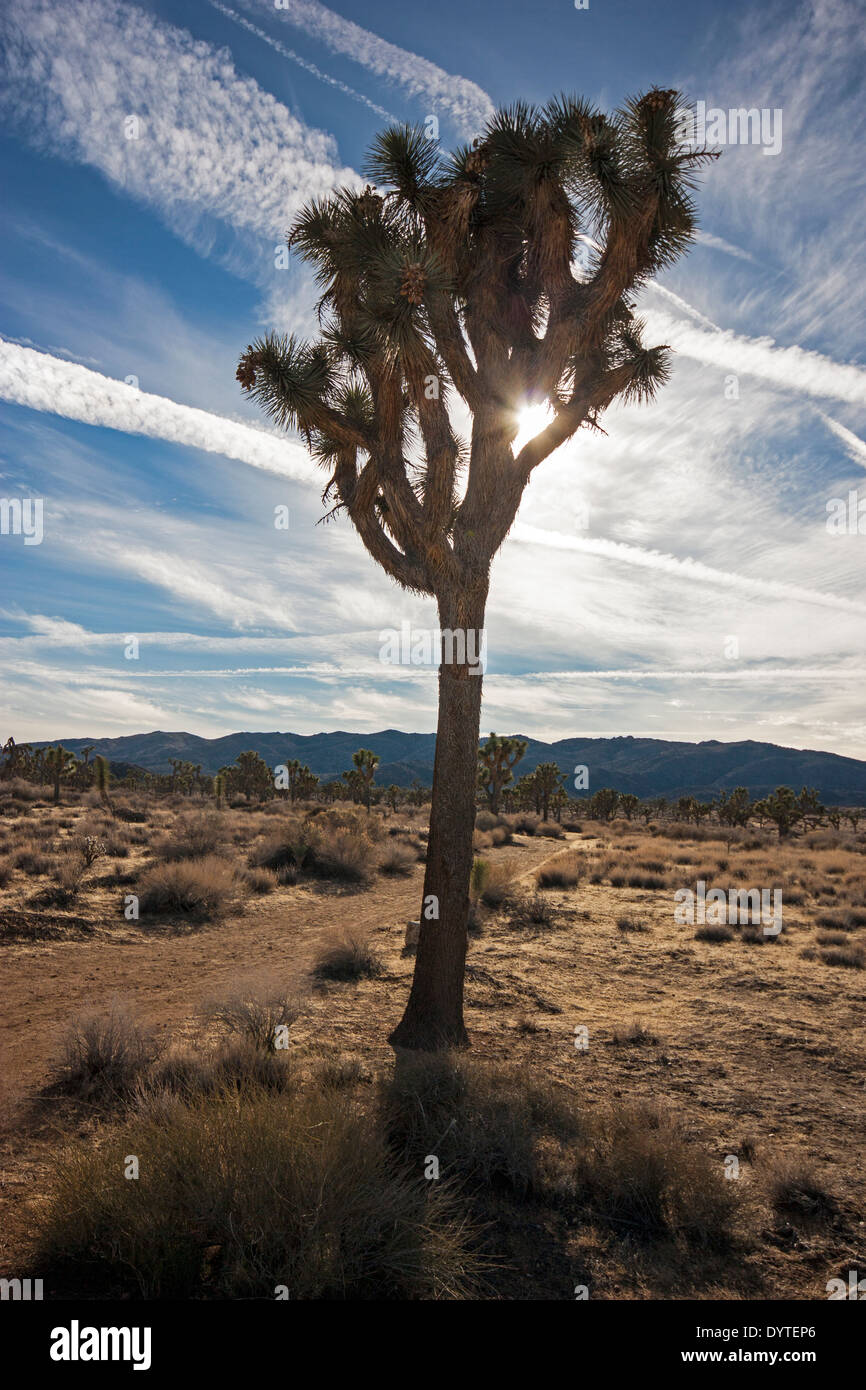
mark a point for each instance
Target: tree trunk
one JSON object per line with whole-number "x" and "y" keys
{"x": 434, "y": 1013}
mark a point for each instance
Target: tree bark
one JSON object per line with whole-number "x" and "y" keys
{"x": 434, "y": 1013}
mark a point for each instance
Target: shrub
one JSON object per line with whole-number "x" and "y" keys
{"x": 497, "y": 889}
{"x": 198, "y": 887}
{"x": 525, "y": 824}
{"x": 716, "y": 932}
{"x": 260, "y": 880}
{"x": 795, "y": 1192}
{"x": 630, "y": 924}
{"x": 551, "y": 829}
{"x": 236, "y": 1065}
{"x": 564, "y": 873}
{"x": 851, "y": 957}
{"x": 242, "y": 1194}
{"x": 104, "y": 1057}
{"x": 639, "y": 1171}
{"x": 256, "y": 1016}
{"x": 398, "y": 861}
{"x": 528, "y": 910}
{"x": 478, "y": 878}
{"x": 31, "y": 860}
{"x": 344, "y": 855}
{"x": 348, "y": 958}
{"x": 192, "y": 838}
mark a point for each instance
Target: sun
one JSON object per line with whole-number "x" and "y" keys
{"x": 530, "y": 420}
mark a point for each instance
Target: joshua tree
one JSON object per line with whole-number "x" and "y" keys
{"x": 102, "y": 780}
{"x": 495, "y": 762}
{"x": 365, "y": 766}
{"x": 59, "y": 762}
{"x": 603, "y": 803}
{"x": 548, "y": 779}
{"x": 461, "y": 279}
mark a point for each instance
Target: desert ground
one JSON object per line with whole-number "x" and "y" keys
{"x": 701, "y": 1139}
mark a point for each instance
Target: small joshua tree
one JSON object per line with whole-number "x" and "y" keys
{"x": 59, "y": 763}
{"x": 548, "y": 780}
{"x": 495, "y": 763}
{"x": 102, "y": 780}
{"x": 366, "y": 763}
{"x": 460, "y": 278}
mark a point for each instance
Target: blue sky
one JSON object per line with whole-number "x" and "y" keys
{"x": 673, "y": 578}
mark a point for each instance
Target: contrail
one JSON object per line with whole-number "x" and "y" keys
{"x": 302, "y": 62}
{"x": 693, "y": 569}
{"x": 464, "y": 101}
{"x": 47, "y": 383}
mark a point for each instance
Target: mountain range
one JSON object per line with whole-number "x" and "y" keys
{"x": 645, "y": 766}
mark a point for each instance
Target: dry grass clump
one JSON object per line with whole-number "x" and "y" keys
{"x": 635, "y": 1035}
{"x": 398, "y": 861}
{"x": 104, "y": 1057}
{"x": 529, "y": 912}
{"x": 565, "y": 872}
{"x": 640, "y": 1173}
{"x": 245, "y": 1194}
{"x": 235, "y": 1066}
{"x": 481, "y": 1120}
{"x": 196, "y": 887}
{"x": 348, "y": 957}
{"x": 842, "y": 919}
{"x": 715, "y": 932}
{"x": 631, "y": 924}
{"x": 345, "y": 856}
{"x": 31, "y": 859}
{"x": 192, "y": 837}
{"x": 260, "y": 881}
{"x": 851, "y": 957}
{"x": 795, "y": 1192}
{"x": 496, "y": 1127}
{"x": 498, "y": 884}
{"x": 263, "y": 1018}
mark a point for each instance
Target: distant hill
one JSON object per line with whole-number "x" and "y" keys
{"x": 645, "y": 766}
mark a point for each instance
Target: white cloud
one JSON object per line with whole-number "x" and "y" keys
{"x": 65, "y": 388}
{"x": 304, "y": 63}
{"x": 464, "y": 101}
{"x": 207, "y": 140}
{"x": 790, "y": 368}
{"x": 693, "y": 570}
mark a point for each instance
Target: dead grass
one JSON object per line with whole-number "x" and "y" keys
{"x": 347, "y": 958}
{"x": 195, "y": 887}
{"x": 242, "y": 1195}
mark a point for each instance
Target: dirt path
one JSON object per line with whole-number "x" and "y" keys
{"x": 164, "y": 979}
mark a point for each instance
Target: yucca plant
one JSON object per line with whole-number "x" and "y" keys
{"x": 460, "y": 278}
{"x": 102, "y": 780}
